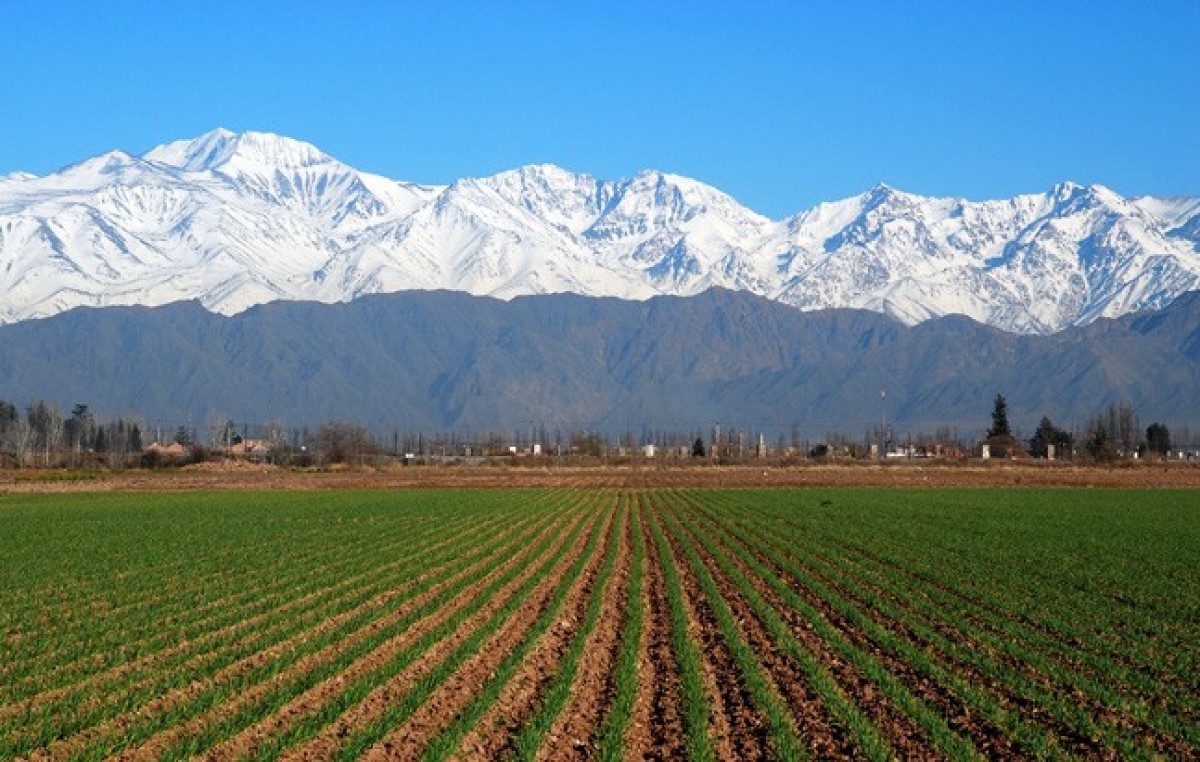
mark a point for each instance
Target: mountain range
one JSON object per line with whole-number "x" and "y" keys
{"x": 234, "y": 220}
{"x": 443, "y": 361}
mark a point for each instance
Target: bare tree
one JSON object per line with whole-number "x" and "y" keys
{"x": 339, "y": 441}
{"x": 8, "y": 415}
{"x": 117, "y": 443}
{"x": 20, "y": 436}
{"x": 54, "y": 434}
{"x": 47, "y": 425}
{"x": 221, "y": 433}
{"x": 275, "y": 432}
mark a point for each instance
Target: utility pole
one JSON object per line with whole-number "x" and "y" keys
{"x": 883, "y": 429}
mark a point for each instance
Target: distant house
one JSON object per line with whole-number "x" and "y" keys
{"x": 173, "y": 450}
{"x": 251, "y": 448}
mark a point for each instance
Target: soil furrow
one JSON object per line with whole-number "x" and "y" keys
{"x": 199, "y": 618}
{"x": 1097, "y": 709}
{"x": 328, "y": 739}
{"x": 410, "y": 739}
{"x": 989, "y": 739}
{"x": 656, "y": 727}
{"x": 250, "y": 738}
{"x": 179, "y": 696}
{"x": 824, "y": 737}
{"x": 1066, "y": 735}
{"x": 492, "y": 737}
{"x": 200, "y": 645}
{"x": 573, "y": 732}
{"x": 738, "y": 730}
{"x": 907, "y": 738}
{"x": 326, "y": 744}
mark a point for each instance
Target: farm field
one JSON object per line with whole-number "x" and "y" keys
{"x": 612, "y": 623}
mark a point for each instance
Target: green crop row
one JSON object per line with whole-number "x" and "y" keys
{"x": 947, "y": 623}
{"x": 393, "y": 644}
{"x": 1034, "y": 688}
{"x": 311, "y": 592}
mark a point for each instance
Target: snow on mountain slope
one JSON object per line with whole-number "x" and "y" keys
{"x": 237, "y": 219}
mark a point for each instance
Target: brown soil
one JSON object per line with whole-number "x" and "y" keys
{"x": 375, "y": 705}
{"x": 409, "y": 740}
{"x": 656, "y": 728}
{"x": 492, "y": 737}
{"x": 1068, "y": 736}
{"x": 737, "y": 729}
{"x": 200, "y": 644}
{"x": 178, "y": 697}
{"x": 907, "y": 739}
{"x": 990, "y": 740}
{"x": 572, "y": 735}
{"x": 250, "y": 739}
{"x": 638, "y": 474}
{"x": 825, "y": 738}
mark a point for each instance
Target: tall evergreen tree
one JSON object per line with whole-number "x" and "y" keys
{"x": 1158, "y": 438}
{"x": 1048, "y": 434}
{"x": 1000, "y": 426}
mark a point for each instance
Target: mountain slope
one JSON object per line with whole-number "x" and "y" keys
{"x": 235, "y": 220}
{"x": 445, "y": 361}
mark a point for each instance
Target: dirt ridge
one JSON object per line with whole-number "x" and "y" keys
{"x": 410, "y": 739}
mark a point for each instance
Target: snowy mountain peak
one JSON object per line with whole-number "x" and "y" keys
{"x": 881, "y": 196}
{"x": 1071, "y": 198}
{"x": 108, "y": 163}
{"x": 204, "y": 153}
{"x": 221, "y": 149}
{"x": 238, "y": 219}
{"x": 547, "y": 174}
{"x": 534, "y": 181}
{"x": 1065, "y": 190}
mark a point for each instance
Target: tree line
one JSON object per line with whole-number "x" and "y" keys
{"x": 1110, "y": 434}
{"x": 41, "y": 435}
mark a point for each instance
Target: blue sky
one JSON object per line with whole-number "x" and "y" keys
{"x": 781, "y": 104}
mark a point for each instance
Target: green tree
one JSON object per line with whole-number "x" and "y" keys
{"x": 1158, "y": 438}
{"x": 101, "y": 443}
{"x": 698, "y": 450}
{"x": 1048, "y": 434}
{"x": 583, "y": 443}
{"x": 8, "y": 419}
{"x": 1100, "y": 444}
{"x": 1000, "y": 426}
{"x": 79, "y": 430}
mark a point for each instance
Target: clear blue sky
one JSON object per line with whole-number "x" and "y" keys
{"x": 781, "y": 104}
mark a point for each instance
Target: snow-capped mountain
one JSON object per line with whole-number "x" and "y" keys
{"x": 236, "y": 220}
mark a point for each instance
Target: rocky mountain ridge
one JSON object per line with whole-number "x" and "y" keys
{"x": 445, "y": 361}
{"x": 235, "y": 220}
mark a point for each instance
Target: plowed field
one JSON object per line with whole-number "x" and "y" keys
{"x": 613, "y": 623}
